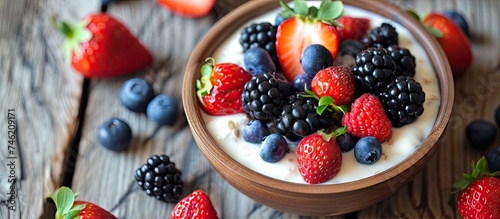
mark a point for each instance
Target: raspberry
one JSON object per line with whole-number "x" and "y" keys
{"x": 160, "y": 178}
{"x": 367, "y": 118}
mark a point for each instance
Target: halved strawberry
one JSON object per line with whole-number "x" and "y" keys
{"x": 305, "y": 26}
{"x": 189, "y": 8}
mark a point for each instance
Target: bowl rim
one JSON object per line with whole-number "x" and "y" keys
{"x": 235, "y": 19}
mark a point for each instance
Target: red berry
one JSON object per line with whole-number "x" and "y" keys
{"x": 336, "y": 82}
{"x": 189, "y": 8}
{"x": 67, "y": 207}
{"x": 353, "y": 28}
{"x": 196, "y": 205}
{"x": 220, "y": 87}
{"x": 318, "y": 159}
{"x": 367, "y": 118}
{"x": 479, "y": 193}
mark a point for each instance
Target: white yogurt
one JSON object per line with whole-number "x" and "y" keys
{"x": 226, "y": 129}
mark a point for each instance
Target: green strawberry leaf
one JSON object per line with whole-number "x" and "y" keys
{"x": 323, "y": 104}
{"x": 313, "y": 11}
{"x": 301, "y": 8}
{"x": 203, "y": 85}
{"x": 413, "y": 13}
{"x": 479, "y": 170}
{"x": 340, "y": 131}
{"x": 330, "y": 10}
{"x": 64, "y": 199}
{"x": 434, "y": 32}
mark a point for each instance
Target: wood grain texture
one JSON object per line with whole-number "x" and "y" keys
{"x": 35, "y": 81}
{"x": 46, "y": 95}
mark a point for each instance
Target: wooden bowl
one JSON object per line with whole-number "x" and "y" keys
{"x": 319, "y": 199}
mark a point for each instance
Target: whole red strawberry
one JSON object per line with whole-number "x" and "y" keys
{"x": 301, "y": 29}
{"x": 319, "y": 158}
{"x": 196, "y": 205}
{"x": 220, "y": 87}
{"x": 479, "y": 193}
{"x": 336, "y": 82}
{"x": 452, "y": 39}
{"x": 367, "y": 118}
{"x": 352, "y": 28}
{"x": 101, "y": 46}
{"x": 68, "y": 208}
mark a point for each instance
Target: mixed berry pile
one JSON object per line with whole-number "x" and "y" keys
{"x": 294, "y": 89}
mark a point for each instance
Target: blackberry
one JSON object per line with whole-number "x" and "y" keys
{"x": 405, "y": 61}
{"x": 160, "y": 178}
{"x": 381, "y": 37}
{"x": 351, "y": 47}
{"x": 261, "y": 35}
{"x": 299, "y": 117}
{"x": 403, "y": 100}
{"x": 374, "y": 69}
{"x": 264, "y": 96}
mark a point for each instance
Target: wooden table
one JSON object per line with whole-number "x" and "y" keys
{"x": 57, "y": 113}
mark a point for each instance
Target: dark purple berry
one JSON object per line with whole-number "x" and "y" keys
{"x": 163, "y": 109}
{"x": 493, "y": 158}
{"x": 135, "y": 94}
{"x": 114, "y": 134}
{"x": 255, "y": 131}
{"x": 346, "y": 142}
{"x": 368, "y": 150}
{"x": 497, "y": 115}
{"x": 481, "y": 134}
{"x": 302, "y": 80}
{"x": 314, "y": 58}
{"x": 258, "y": 61}
{"x": 273, "y": 148}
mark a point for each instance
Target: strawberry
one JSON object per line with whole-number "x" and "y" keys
{"x": 305, "y": 26}
{"x": 220, "y": 87}
{"x": 336, "y": 82}
{"x": 352, "y": 28}
{"x": 319, "y": 158}
{"x": 452, "y": 39}
{"x": 367, "y": 118}
{"x": 196, "y": 205}
{"x": 479, "y": 193}
{"x": 67, "y": 207}
{"x": 188, "y": 8}
{"x": 101, "y": 46}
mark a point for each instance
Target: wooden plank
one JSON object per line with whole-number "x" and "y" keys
{"x": 44, "y": 93}
{"x": 428, "y": 195}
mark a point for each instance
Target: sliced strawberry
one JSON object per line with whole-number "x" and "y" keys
{"x": 353, "y": 28}
{"x": 302, "y": 29}
{"x": 189, "y": 8}
{"x": 196, "y": 205}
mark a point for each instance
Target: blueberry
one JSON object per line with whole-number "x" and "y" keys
{"x": 255, "y": 131}
{"x": 114, "y": 134}
{"x": 135, "y": 94}
{"x": 258, "y": 61}
{"x": 278, "y": 20}
{"x": 497, "y": 115}
{"x": 345, "y": 141}
{"x": 367, "y": 150}
{"x": 481, "y": 134}
{"x": 314, "y": 58}
{"x": 273, "y": 148}
{"x": 458, "y": 19}
{"x": 493, "y": 158}
{"x": 163, "y": 110}
{"x": 300, "y": 80}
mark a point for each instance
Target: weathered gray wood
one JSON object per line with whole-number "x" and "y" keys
{"x": 36, "y": 82}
